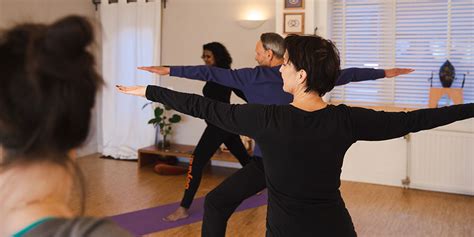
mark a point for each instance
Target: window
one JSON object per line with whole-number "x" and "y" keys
{"x": 419, "y": 34}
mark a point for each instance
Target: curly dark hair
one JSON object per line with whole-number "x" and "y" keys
{"x": 221, "y": 55}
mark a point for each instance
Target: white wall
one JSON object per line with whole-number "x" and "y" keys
{"x": 188, "y": 24}
{"x": 46, "y": 11}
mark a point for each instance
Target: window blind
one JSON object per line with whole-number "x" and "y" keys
{"x": 419, "y": 34}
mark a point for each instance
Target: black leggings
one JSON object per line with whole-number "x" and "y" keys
{"x": 222, "y": 201}
{"x": 210, "y": 141}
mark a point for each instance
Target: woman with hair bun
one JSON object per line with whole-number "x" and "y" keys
{"x": 47, "y": 92}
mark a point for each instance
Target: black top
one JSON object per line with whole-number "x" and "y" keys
{"x": 220, "y": 93}
{"x": 303, "y": 151}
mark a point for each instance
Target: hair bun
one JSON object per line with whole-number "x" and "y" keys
{"x": 69, "y": 35}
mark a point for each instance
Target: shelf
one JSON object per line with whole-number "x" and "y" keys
{"x": 148, "y": 155}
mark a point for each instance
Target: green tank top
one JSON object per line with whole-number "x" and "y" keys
{"x": 31, "y": 226}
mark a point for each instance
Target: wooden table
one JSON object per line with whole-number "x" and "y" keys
{"x": 455, "y": 94}
{"x": 149, "y": 154}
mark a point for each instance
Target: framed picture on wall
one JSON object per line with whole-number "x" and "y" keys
{"x": 294, "y": 4}
{"x": 293, "y": 23}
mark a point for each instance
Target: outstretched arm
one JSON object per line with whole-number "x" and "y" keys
{"x": 372, "y": 125}
{"x": 239, "y": 119}
{"x": 365, "y": 74}
{"x": 239, "y": 78}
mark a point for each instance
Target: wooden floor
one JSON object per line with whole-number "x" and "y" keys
{"x": 115, "y": 187}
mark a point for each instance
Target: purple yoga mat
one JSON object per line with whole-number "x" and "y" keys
{"x": 149, "y": 220}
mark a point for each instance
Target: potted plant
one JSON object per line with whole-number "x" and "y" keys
{"x": 165, "y": 123}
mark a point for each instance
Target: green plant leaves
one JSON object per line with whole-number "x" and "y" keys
{"x": 158, "y": 112}
{"x": 175, "y": 118}
{"x": 153, "y": 121}
{"x": 161, "y": 118}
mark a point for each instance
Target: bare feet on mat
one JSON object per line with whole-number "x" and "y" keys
{"x": 180, "y": 213}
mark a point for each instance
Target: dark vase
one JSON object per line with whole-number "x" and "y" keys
{"x": 161, "y": 142}
{"x": 164, "y": 143}
{"x": 157, "y": 136}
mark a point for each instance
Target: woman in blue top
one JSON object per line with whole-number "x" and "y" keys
{"x": 304, "y": 200}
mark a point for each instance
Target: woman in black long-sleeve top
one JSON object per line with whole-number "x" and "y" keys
{"x": 304, "y": 200}
{"x": 214, "y": 54}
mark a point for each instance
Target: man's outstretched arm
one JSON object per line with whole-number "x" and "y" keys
{"x": 365, "y": 74}
{"x": 239, "y": 78}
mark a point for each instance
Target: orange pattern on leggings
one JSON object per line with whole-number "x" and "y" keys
{"x": 189, "y": 176}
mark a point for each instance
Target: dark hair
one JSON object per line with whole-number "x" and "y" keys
{"x": 48, "y": 89}
{"x": 274, "y": 42}
{"x": 220, "y": 53}
{"x": 319, "y": 57}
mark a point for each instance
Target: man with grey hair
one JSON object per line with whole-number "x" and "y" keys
{"x": 260, "y": 85}
{"x": 271, "y": 45}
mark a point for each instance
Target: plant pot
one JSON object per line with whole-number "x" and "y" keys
{"x": 163, "y": 144}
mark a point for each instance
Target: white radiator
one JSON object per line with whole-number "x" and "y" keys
{"x": 442, "y": 161}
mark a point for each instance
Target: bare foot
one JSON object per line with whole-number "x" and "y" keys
{"x": 180, "y": 213}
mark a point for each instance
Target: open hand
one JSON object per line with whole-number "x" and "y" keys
{"x": 132, "y": 90}
{"x": 394, "y": 72}
{"x": 160, "y": 70}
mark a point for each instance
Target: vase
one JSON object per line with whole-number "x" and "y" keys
{"x": 161, "y": 141}
{"x": 164, "y": 143}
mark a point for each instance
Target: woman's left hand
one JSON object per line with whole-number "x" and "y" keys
{"x": 132, "y": 90}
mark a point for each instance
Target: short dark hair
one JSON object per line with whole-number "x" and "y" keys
{"x": 319, "y": 57}
{"x": 49, "y": 83}
{"x": 274, "y": 42}
{"x": 221, "y": 55}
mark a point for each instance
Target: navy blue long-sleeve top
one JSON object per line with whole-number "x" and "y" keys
{"x": 263, "y": 85}
{"x": 303, "y": 151}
